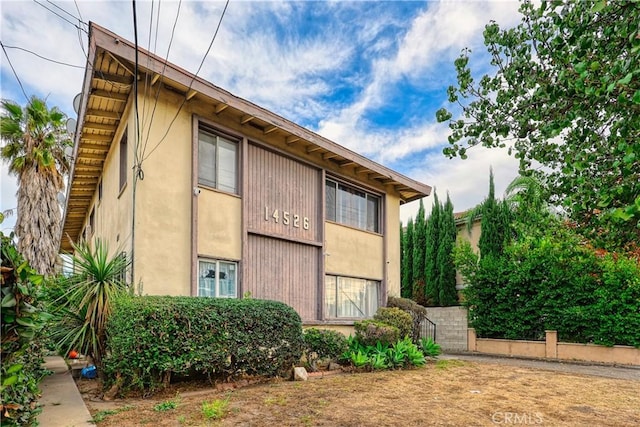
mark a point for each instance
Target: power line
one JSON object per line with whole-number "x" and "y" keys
{"x": 65, "y": 11}
{"x": 42, "y": 57}
{"x": 60, "y": 16}
{"x": 164, "y": 67}
{"x": 14, "y": 72}
{"x": 190, "y": 84}
{"x": 79, "y": 14}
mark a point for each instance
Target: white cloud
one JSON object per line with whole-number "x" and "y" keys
{"x": 467, "y": 181}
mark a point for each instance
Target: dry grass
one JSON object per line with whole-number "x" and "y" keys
{"x": 447, "y": 393}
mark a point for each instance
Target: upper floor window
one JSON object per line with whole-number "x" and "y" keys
{"x": 351, "y": 206}
{"x": 217, "y": 279}
{"x": 217, "y": 161}
{"x": 123, "y": 159}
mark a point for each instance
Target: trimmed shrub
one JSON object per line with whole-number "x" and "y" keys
{"x": 151, "y": 338}
{"x": 395, "y": 317}
{"x": 325, "y": 343}
{"x": 417, "y": 312}
{"x": 370, "y": 332}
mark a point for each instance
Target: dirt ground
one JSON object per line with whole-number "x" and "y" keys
{"x": 444, "y": 393}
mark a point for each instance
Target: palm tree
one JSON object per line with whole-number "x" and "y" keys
{"x": 35, "y": 138}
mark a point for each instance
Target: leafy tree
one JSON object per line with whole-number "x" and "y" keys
{"x": 432, "y": 272}
{"x": 419, "y": 245}
{"x": 564, "y": 93}
{"x": 446, "y": 284}
{"x": 407, "y": 262}
{"x": 35, "y": 138}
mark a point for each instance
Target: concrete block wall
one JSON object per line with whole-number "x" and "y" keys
{"x": 451, "y": 327}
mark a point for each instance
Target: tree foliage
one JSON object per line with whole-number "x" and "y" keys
{"x": 446, "y": 284}
{"x": 419, "y": 245}
{"x": 564, "y": 93}
{"x": 407, "y": 261}
{"x": 432, "y": 272}
{"x": 23, "y": 318}
{"x": 35, "y": 138}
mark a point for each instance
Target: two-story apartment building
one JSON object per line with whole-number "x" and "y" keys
{"x": 212, "y": 195}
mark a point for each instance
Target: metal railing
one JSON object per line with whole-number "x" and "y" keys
{"x": 428, "y": 329}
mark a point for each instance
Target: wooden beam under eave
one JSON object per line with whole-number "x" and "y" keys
{"x": 270, "y": 129}
{"x": 120, "y": 63}
{"x": 246, "y": 119}
{"x": 313, "y": 148}
{"x": 91, "y": 156}
{"x": 191, "y": 94}
{"x": 155, "y": 79}
{"x": 104, "y": 114}
{"x": 96, "y": 147}
{"x": 347, "y": 163}
{"x": 360, "y": 170}
{"x": 99, "y": 126}
{"x": 113, "y": 96}
{"x": 112, "y": 78}
{"x": 220, "y": 108}
{"x": 94, "y": 137}
{"x": 292, "y": 139}
{"x": 329, "y": 155}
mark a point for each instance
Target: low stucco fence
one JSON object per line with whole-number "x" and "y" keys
{"x": 552, "y": 349}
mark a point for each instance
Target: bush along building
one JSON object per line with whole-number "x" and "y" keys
{"x": 214, "y": 196}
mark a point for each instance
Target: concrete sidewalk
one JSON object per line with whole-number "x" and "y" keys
{"x": 62, "y": 405}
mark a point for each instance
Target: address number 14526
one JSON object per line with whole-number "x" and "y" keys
{"x": 286, "y": 218}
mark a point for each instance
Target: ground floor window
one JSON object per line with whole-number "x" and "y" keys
{"x": 217, "y": 279}
{"x": 347, "y": 297}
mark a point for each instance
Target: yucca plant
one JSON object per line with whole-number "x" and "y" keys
{"x": 86, "y": 299}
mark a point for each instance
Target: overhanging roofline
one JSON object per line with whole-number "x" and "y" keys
{"x": 101, "y": 39}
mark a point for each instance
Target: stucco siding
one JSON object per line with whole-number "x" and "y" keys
{"x": 163, "y": 203}
{"x": 353, "y": 253}
{"x": 219, "y": 225}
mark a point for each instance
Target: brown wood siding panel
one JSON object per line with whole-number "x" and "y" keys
{"x": 279, "y": 183}
{"x": 283, "y": 271}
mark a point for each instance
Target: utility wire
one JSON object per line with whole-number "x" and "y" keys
{"x": 137, "y": 172}
{"x": 42, "y": 57}
{"x": 67, "y": 12}
{"x": 14, "y": 72}
{"x": 190, "y": 84}
{"x": 164, "y": 67}
{"x": 146, "y": 75}
{"x": 79, "y": 14}
{"x": 60, "y": 16}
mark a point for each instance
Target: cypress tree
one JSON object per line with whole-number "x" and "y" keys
{"x": 492, "y": 224}
{"x": 496, "y": 224}
{"x": 406, "y": 290}
{"x": 446, "y": 284}
{"x": 431, "y": 272}
{"x": 419, "y": 244}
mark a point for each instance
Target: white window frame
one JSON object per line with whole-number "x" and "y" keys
{"x": 343, "y": 303}
{"x": 220, "y": 139}
{"x": 211, "y": 286}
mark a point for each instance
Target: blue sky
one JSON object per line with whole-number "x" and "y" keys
{"x": 368, "y": 75}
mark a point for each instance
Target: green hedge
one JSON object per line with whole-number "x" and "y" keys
{"x": 151, "y": 338}
{"x": 555, "y": 283}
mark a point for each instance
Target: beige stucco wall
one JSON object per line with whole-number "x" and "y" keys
{"x": 163, "y": 202}
{"x": 392, "y": 230}
{"x": 472, "y": 236}
{"x": 113, "y": 212}
{"x": 352, "y": 252}
{"x": 219, "y": 225}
